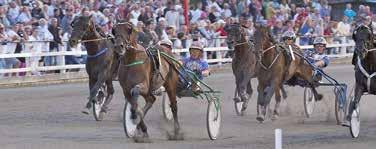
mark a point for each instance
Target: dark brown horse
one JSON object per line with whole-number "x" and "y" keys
{"x": 365, "y": 64}
{"x": 275, "y": 70}
{"x": 137, "y": 76}
{"x": 244, "y": 62}
{"x": 99, "y": 60}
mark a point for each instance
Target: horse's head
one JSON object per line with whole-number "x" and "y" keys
{"x": 125, "y": 37}
{"x": 235, "y": 34}
{"x": 262, "y": 38}
{"x": 363, "y": 37}
{"x": 81, "y": 25}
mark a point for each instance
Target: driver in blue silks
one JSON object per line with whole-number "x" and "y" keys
{"x": 195, "y": 61}
{"x": 318, "y": 57}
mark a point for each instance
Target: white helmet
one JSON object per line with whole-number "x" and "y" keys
{"x": 319, "y": 40}
{"x": 165, "y": 42}
{"x": 288, "y": 34}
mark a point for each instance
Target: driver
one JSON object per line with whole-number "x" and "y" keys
{"x": 196, "y": 63}
{"x": 317, "y": 57}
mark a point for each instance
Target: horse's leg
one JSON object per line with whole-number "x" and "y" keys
{"x": 86, "y": 109}
{"x": 260, "y": 101}
{"x": 134, "y": 94}
{"x": 244, "y": 88}
{"x": 110, "y": 93}
{"x": 357, "y": 96}
{"x": 141, "y": 127}
{"x": 302, "y": 71}
{"x": 277, "y": 97}
{"x": 171, "y": 91}
{"x": 94, "y": 90}
{"x": 283, "y": 91}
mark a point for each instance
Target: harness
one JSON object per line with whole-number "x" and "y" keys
{"x": 366, "y": 74}
{"x": 102, "y": 51}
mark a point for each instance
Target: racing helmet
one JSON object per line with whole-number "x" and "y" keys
{"x": 288, "y": 35}
{"x": 319, "y": 40}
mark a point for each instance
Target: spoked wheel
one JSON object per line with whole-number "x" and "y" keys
{"x": 309, "y": 102}
{"x": 340, "y": 105}
{"x": 167, "y": 113}
{"x": 129, "y": 126}
{"x": 98, "y": 104}
{"x": 213, "y": 118}
{"x": 355, "y": 119}
{"x": 238, "y": 104}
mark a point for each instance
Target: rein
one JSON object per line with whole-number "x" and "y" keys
{"x": 274, "y": 60}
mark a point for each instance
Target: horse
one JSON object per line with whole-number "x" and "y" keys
{"x": 244, "y": 62}
{"x": 100, "y": 63}
{"x": 365, "y": 66}
{"x": 276, "y": 68}
{"x": 137, "y": 76}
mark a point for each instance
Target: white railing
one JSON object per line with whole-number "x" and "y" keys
{"x": 219, "y": 51}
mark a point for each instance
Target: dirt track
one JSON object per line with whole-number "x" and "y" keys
{"x": 50, "y": 117}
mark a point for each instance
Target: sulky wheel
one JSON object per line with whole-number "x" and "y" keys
{"x": 167, "y": 113}
{"x": 309, "y": 102}
{"x": 340, "y": 105}
{"x": 213, "y": 116}
{"x": 129, "y": 127}
{"x": 355, "y": 119}
{"x": 100, "y": 100}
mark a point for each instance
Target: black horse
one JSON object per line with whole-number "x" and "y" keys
{"x": 365, "y": 64}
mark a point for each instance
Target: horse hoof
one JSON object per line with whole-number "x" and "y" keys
{"x": 86, "y": 111}
{"x": 275, "y": 117}
{"x": 176, "y": 136}
{"x": 260, "y": 119}
{"x": 141, "y": 139}
{"x": 319, "y": 97}
{"x": 236, "y": 99}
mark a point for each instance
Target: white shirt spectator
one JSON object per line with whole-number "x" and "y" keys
{"x": 227, "y": 13}
{"x": 13, "y": 13}
{"x": 344, "y": 29}
{"x": 196, "y": 14}
{"x": 172, "y": 18}
{"x": 11, "y": 47}
{"x": 45, "y": 35}
{"x": 24, "y": 17}
{"x": 134, "y": 18}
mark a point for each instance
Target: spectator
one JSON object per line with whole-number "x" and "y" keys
{"x": 24, "y": 16}
{"x": 3, "y": 18}
{"x": 13, "y": 12}
{"x": 349, "y": 12}
{"x": 172, "y": 18}
{"x": 37, "y": 11}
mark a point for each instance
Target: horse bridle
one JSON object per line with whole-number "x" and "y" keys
{"x": 86, "y": 32}
{"x": 366, "y": 48}
{"x": 125, "y": 42}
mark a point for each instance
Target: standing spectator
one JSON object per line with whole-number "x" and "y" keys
{"x": 161, "y": 29}
{"x": 172, "y": 18}
{"x": 227, "y": 11}
{"x": 349, "y": 12}
{"x": 37, "y": 11}
{"x": 196, "y": 13}
{"x": 44, "y": 35}
{"x": 32, "y": 47}
{"x": 24, "y": 16}
{"x": 7, "y": 39}
{"x": 13, "y": 12}
{"x": 55, "y": 30}
{"x": 67, "y": 19}
{"x": 134, "y": 14}
{"x": 3, "y": 17}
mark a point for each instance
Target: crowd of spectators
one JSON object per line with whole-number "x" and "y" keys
{"x": 24, "y": 21}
